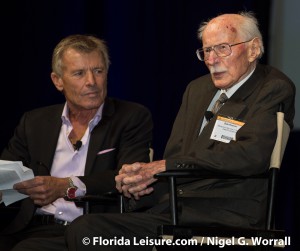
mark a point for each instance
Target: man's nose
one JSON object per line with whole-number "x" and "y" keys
{"x": 211, "y": 58}
{"x": 90, "y": 78}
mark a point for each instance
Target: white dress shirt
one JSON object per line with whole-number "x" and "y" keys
{"x": 68, "y": 162}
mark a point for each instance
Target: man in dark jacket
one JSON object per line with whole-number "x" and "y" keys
{"x": 75, "y": 148}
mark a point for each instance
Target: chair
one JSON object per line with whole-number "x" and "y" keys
{"x": 210, "y": 238}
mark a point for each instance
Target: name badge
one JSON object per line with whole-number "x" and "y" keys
{"x": 225, "y": 129}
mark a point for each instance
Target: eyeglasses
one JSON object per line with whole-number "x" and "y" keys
{"x": 222, "y": 50}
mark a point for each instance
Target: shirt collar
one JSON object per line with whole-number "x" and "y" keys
{"x": 230, "y": 91}
{"x": 93, "y": 122}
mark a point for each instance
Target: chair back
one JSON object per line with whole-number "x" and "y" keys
{"x": 283, "y": 131}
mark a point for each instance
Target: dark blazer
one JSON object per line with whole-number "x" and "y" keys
{"x": 231, "y": 202}
{"x": 125, "y": 126}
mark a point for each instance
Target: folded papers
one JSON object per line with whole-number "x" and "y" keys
{"x": 12, "y": 172}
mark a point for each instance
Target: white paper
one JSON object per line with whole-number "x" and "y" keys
{"x": 12, "y": 172}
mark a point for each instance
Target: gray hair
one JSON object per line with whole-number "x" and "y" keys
{"x": 248, "y": 29}
{"x": 81, "y": 43}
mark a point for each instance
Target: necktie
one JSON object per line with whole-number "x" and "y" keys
{"x": 219, "y": 103}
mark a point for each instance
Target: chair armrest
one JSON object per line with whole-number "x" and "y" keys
{"x": 205, "y": 174}
{"x": 103, "y": 199}
{"x": 109, "y": 198}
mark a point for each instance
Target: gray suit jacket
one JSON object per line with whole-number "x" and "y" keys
{"x": 231, "y": 202}
{"x": 125, "y": 126}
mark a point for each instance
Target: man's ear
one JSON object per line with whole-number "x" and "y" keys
{"x": 254, "y": 49}
{"x": 57, "y": 82}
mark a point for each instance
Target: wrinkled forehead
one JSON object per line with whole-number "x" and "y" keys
{"x": 225, "y": 25}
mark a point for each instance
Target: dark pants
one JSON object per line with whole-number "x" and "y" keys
{"x": 12, "y": 241}
{"x": 112, "y": 232}
{"x": 107, "y": 232}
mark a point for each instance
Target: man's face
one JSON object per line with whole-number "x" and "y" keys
{"x": 83, "y": 80}
{"x": 226, "y": 71}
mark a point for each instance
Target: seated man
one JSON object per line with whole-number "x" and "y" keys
{"x": 76, "y": 147}
{"x": 231, "y": 48}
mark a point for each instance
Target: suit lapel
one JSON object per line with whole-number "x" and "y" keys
{"x": 206, "y": 91}
{"x": 201, "y": 106}
{"x": 98, "y": 135}
{"x": 251, "y": 85}
{"x": 50, "y": 133}
{"x": 235, "y": 105}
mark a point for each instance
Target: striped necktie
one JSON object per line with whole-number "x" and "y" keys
{"x": 219, "y": 103}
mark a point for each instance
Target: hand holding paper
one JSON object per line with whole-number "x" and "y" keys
{"x": 12, "y": 172}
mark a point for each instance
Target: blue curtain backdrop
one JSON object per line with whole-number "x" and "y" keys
{"x": 152, "y": 45}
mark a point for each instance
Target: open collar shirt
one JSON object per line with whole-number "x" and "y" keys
{"x": 68, "y": 162}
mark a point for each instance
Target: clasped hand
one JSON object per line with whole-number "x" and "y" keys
{"x": 135, "y": 179}
{"x": 43, "y": 190}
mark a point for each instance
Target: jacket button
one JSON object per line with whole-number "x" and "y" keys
{"x": 180, "y": 191}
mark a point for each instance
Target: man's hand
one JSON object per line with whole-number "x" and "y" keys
{"x": 43, "y": 190}
{"x": 135, "y": 179}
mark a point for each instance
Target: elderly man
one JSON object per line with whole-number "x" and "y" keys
{"x": 239, "y": 89}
